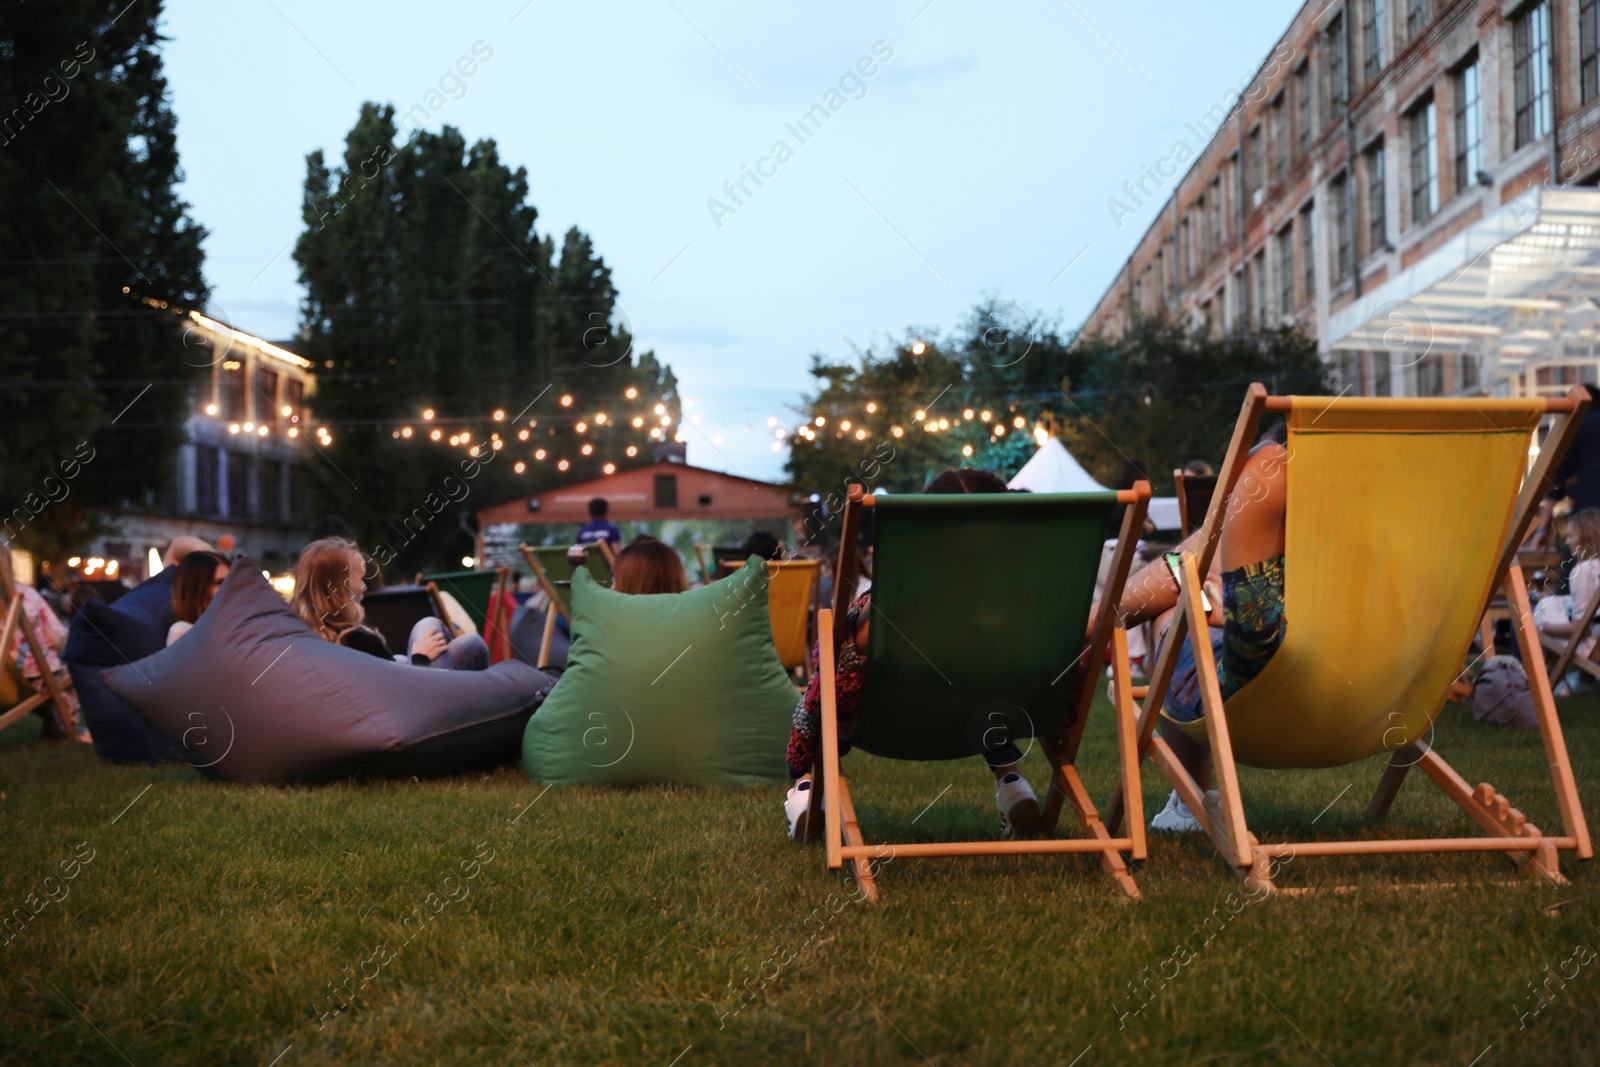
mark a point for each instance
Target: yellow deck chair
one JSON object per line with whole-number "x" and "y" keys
{"x": 1403, "y": 518}
{"x": 791, "y": 600}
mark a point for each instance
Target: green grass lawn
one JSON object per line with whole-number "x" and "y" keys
{"x": 479, "y": 920}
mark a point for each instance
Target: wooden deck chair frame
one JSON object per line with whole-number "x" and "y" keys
{"x": 1221, "y": 812}
{"x": 1181, "y": 481}
{"x": 841, "y": 832}
{"x": 553, "y": 595}
{"x": 54, "y": 691}
{"x": 708, "y": 573}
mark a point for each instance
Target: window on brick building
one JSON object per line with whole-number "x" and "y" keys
{"x": 1377, "y": 208}
{"x": 1278, "y": 132}
{"x": 1285, "y": 258}
{"x": 1302, "y": 109}
{"x": 1255, "y": 164}
{"x": 1589, "y": 48}
{"x": 1530, "y": 72}
{"x": 1468, "y": 127}
{"x": 1344, "y": 230}
{"x": 1417, "y": 15}
{"x": 1335, "y": 89}
{"x": 1371, "y": 40}
{"x": 1258, "y": 288}
{"x": 1308, "y": 253}
{"x": 1422, "y": 129}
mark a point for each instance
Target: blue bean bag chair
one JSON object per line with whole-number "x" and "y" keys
{"x": 105, "y": 635}
{"x": 253, "y": 695}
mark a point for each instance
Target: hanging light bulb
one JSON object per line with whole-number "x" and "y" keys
{"x": 967, "y": 414}
{"x": 539, "y": 453}
{"x": 638, "y": 421}
{"x": 522, "y": 435}
{"x": 405, "y": 431}
{"x": 872, "y": 407}
{"x": 600, "y": 418}
{"x": 861, "y": 435}
{"x": 609, "y": 468}
{"x": 633, "y": 450}
{"x": 566, "y": 400}
{"x": 436, "y": 435}
{"x": 499, "y": 415}
{"x": 563, "y": 465}
{"x": 820, "y": 421}
{"x": 966, "y": 450}
{"x": 427, "y": 414}
{"x": 661, "y": 409}
{"x": 520, "y": 467}
{"x": 582, "y": 427}
{"x": 920, "y": 415}
{"x": 845, "y": 426}
{"x": 985, "y": 416}
{"x": 587, "y": 450}
{"x": 631, "y": 393}
{"x": 1019, "y": 422}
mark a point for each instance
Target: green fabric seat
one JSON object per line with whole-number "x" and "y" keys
{"x": 979, "y": 607}
{"x": 553, "y": 558}
{"x": 683, "y": 688}
{"x": 471, "y": 588}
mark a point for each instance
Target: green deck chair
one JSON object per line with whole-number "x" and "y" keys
{"x": 472, "y": 589}
{"x": 966, "y": 650}
{"x": 554, "y": 574}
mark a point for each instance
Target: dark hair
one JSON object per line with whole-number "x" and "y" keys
{"x": 598, "y": 508}
{"x": 192, "y": 584}
{"x": 763, "y": 544}
{"x": 1277, "y": 433}
{"x": 1198, "y": 466}
{"x": 966, "y": 480}
{"x": 649, "y": 567}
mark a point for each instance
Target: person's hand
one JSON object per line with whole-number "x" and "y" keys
{"x": 431, "y": 645}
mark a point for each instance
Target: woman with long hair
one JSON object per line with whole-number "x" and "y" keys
{"x": 329, "y": 582}
{"x": 649, "y": 567}
{"x": 199, "y": 576}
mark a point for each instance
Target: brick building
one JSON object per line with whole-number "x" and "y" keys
{"x": 1385, "y": 180}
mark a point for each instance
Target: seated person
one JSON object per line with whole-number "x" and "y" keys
{"x": 52, "y": 634}
{"x": 647, "y": 567}
{"x": 1019, "y": 806}
{"x": 199, "y": 576}
{"x": 1247, "y": 624}
{"x": 1561, "y": 615}
{"x": 328, "y": 586}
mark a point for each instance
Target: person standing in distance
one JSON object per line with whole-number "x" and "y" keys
{"x": 598, "y": 528}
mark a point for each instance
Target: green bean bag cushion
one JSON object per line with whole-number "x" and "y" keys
{"x": 681, "y": 687}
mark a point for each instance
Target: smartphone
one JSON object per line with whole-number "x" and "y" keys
{"x": 1175, "y": 565}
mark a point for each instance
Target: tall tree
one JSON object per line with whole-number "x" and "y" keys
{"x": 428, "y": 290}
{"x": 99, "y": 252}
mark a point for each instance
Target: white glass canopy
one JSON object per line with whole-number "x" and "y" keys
{"x": 1519, "y": 289}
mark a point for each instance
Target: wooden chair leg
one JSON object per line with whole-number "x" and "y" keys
{"x": 548, "y": 637}
{"x": 860, "y": 866}
{"x": 1394, "y": 776}
{"x": 1229, "y": 806}
{"x": 832, "y": 820}
{"x": 1555, "y": 745}
{"x": 1132, "y": 793}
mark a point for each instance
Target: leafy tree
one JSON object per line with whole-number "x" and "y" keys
{"x": 98, "y": 252}
{"x": 1164, "y": 394}
{"x": 1161, "y": 394}
{"x": 428, "y": 289}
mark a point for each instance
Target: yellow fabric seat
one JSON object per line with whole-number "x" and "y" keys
{"x": 1393, "y": 529}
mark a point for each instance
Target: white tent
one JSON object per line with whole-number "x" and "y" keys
{"x": 1053, "y": 470}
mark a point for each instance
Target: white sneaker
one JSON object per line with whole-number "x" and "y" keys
{"x": 1175, "y": 817}
{"x": 797, "y": 806}
{"x": 1019, "y": 807}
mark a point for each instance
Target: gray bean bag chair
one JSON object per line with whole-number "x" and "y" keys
{"x": 254, "y": 696}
